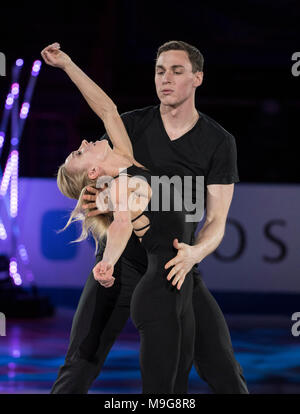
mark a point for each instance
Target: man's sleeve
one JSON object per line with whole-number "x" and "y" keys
{"x": 223, "y": 168}
{"x": 128, "y": 119}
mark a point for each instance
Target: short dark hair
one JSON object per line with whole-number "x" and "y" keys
{"x": 195, "y": 56}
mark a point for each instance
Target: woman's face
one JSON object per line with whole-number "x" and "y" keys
{"x": 89, "y": 155}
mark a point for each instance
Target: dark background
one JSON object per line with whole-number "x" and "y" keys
{"x": 248, "y": 84}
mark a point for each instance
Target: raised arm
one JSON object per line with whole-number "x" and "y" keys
{"x": 97, "y": 99}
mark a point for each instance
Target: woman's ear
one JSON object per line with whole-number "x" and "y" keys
{"x": 94, "y": 172}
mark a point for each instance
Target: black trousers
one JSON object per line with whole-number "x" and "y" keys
{"x": 102, "y": 314}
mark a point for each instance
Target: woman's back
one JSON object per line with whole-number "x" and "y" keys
{"x": 161, "y": 216}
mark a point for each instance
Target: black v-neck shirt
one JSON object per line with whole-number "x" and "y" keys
{"x": 207, "y": 150}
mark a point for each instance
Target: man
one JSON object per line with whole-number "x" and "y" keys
{"x": 172, "y": 138}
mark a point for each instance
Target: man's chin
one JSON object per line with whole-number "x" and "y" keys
{"x": 173, "y": 103}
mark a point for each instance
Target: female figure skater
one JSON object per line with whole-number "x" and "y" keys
{"x": 161, "y": 311}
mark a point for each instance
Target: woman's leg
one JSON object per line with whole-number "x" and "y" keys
{"x": 100, "y": 317}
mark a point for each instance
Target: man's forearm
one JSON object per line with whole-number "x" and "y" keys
{"x": 208, "y": 239}
{"x": 117, "y": 239}
{"x": 97, "y": 99}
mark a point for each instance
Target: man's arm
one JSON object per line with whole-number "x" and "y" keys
{"x": 97, "y": 99}
{"x": 218, "y": 201}
{"x": 219, "y": 197}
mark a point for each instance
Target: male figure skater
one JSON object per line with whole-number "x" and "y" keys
{"x": 172, "y": 138}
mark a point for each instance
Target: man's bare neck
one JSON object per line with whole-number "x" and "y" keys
{"x": 179, "y": 117}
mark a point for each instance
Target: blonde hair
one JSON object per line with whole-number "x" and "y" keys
{"x": 74, "y": 185}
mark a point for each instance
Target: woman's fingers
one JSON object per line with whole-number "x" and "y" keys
{"x": 52, "y": 46}
{"x": 44, "y": 55}
{"x": 50, "y": 52}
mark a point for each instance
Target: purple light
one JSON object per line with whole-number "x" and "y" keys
{"x": 14, "y": 184}
{"x": 16, "y": 353}
{"x": 17, "y": 280}
{"x": 9, "y": 101}
{"x": 19, "y": 62}
{"x": 14, "y": 141}
{"x": 24, "y": 110}
{"x": 12, "y": 267}
{"x": 2, "y": 136}
{"x": 30, "y": 277}
{"x": 15, "y": 89}
{"x": 6, "y": 177}
{"x": 23, "y": 253}
{"x": 13, "y": 272}
{"x": 3, "y": 235}
{"x": 36, "y": 67}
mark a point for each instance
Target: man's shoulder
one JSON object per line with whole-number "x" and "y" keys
{"x": 213, "y": 129}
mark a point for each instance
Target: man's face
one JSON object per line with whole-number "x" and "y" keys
{"x": 174, "y": 80}
{"x": 88, "y": 155}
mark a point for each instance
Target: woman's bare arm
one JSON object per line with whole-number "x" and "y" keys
{"x": 120, "y": 230}
{"x": 97, "y": 99}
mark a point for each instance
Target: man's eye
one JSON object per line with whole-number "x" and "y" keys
{"x": 78, "y": 152}
{"x": 159, "y": 73}
{"x": 178, "y": 73}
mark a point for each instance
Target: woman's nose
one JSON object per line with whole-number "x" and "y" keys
{"x": 84, "y": 143}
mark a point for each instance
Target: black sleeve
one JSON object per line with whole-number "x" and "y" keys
{"x": 223, "y": 167}
{"x": 128, "y": 119}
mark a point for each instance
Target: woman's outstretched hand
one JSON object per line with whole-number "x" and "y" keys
{"x": 103, "y": 273}
{"x": 53, "y": 56}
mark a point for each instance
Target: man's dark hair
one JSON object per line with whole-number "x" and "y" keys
{"x": 195, "y": 56}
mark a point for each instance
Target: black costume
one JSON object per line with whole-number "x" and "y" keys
{"x": 206, "y": 150}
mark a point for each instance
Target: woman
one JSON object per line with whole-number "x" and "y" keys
{"x": 162, "y": 314}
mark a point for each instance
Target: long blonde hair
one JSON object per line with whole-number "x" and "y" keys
{"x": 73, "y": 185}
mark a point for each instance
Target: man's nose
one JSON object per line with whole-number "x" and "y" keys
{"x": 167, "y": 77}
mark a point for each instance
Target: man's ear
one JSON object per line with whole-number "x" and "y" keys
{"x": 198, "y": 78}
{"x": 94, "y": 172}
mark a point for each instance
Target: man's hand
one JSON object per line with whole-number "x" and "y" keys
{"x": 55, "y": 57}
{"x": 103, "y": 273}
{"x": 92, "y": 206}
{"x": 182, "y": 262}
